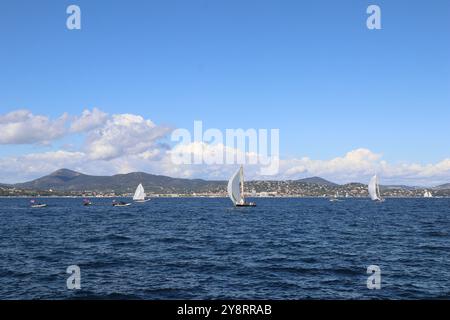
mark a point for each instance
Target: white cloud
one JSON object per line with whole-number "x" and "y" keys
{"x": 34, "y": 165}
{"x": 89, "y": 120}
{"x": 23, "y": 127}
{"x": 123, "y": 134}
{"x": 107, "y": 136}
{"x": 358, "y": 165}
{"x": 359, "y": 162}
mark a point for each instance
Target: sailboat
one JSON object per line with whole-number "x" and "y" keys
{"x": 335, "y": 198}
{"x": 236, "y": 189}
{"x": 427, "y": 194}
{"x": 139, "y": 194}
{"x": 374, "y": 189}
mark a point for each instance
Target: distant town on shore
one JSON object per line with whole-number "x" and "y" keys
{"x": 68, "y": 183}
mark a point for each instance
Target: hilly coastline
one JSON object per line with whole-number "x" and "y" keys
{"x": 65, "y": 182}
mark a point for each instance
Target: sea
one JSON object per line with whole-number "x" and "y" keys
{"x": 204, "y": 248}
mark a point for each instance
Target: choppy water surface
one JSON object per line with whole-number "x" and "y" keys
{"x": 205, "y": 249}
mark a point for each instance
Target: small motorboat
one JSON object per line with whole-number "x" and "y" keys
{"x": 34, "y": 204}
{"x": 120, "y": 204}
{"x": 87, "y": 202}
{"x": 41, "y": 205}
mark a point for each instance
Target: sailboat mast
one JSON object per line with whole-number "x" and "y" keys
{"x": 378, "y": 189}
{"x": 242, "y": 182}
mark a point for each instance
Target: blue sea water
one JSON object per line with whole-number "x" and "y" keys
{"x": 206, "y": 249}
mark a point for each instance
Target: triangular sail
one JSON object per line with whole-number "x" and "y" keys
{"x": 374, "y": 189}
{"x": 234, "y": 188}
{"x": 140, "y": 193}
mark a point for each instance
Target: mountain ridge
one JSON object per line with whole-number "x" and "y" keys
{"x": 67, "y": 180}
{"x": 317, "y": 180}
{"x": 442, "y": 186}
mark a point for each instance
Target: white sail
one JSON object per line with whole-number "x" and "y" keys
{"x": 374, "y": 189}
{"x": 234, "y": 188}
{"x": 139, "y": 195}
{"x": 428, "y": 194}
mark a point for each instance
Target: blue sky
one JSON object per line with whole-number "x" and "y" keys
{"x": 310, "y": 68}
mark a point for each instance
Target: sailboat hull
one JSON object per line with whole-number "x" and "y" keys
{"x": 142, "y": 201}
{"x": 251, "y": 204}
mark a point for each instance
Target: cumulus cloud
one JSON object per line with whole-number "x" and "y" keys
{"x": 123, "y": 134}
{"x": 359, "y": 162}
{"x": 106, "y": 136}
{"x": 33, "y": 165}
{"x": 23, "y": 127}
{"x": 358, "y": 165}
{"x": 88, "y": 120}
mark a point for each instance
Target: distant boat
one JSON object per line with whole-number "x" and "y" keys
{"x": 87, "y": 202}
{"x": 427, "y": 194}
{"x": 374, "y": 189}
{"x": 236, "y": 189}
{"x": 120, "y": 204}
{"x": 35, "y": 204}
{"x": 139, "y": 194}
{"x": 335, "y": 198}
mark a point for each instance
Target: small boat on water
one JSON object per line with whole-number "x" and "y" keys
{"x": 139, "y": 194}
{"x": 236, "y": 189}
{"x": 335, "y": 198}
{"x": 34, "y": 204}
{"x": 120, "y": 204}
{"x": 87, "y": 202}
{"x": 374, "y": 189}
